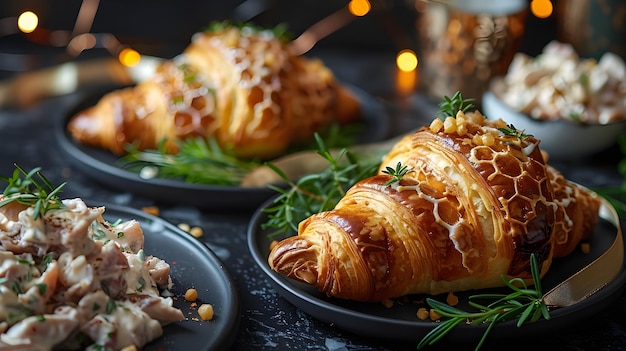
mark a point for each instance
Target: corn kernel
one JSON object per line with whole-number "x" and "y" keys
{"x": 387, "y": 303}
{"x": 477, "y": 140}
{"x": 452, "y": 299}
{"x": 436, "y": 125}
{"x": 461, "y": 129}
{"x": 184, "y": 227}
{"x": 585, "y": 248}
{"x": 449, "y": 125}
{"x": 434, "y": 315}
{"x": 206, "y": 312}
{"x": 488, "y": 139}
{"x": 460, "y": 118}
{"x": 273, "y": 244}
{"x": 196, "y": 232}
{"x": 422, "y": 313}
{"x": 153, "y": 210}
{"x": 191, "y": 294}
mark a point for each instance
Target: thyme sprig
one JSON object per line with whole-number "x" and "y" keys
{"x": 198, "y": 161}
{"x": 33, "y": 190}
{"x": 524, "y": 304}
{"x": 204, "y": 161}
{"x": 450, "y": 106}
{"x": 396, "y": 173}
{"x": 318, "y": 192}
{"x": 514, "y": 132}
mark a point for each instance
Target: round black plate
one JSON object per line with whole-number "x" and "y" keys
{"x": 193, "y": 265}
{"x": 399, "y": 322}
{"x": 103, "y": 165}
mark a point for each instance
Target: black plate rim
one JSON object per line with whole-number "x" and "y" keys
{"x": 390, "y": 328}
{"x": 86, "y": 159}
{"x": 228, "y": 324}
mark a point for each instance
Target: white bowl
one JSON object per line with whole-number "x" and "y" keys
{"x": 561, "y": 139}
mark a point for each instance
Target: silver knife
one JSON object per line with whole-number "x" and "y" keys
{"x": 596, "y": 275}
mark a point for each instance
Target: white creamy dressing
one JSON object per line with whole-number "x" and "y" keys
{"x": 69, "y": 272}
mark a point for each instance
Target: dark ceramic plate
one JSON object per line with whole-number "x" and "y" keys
{"x": 103, "y": 166}
{"x": 400, "y": 323}
{"x": 192, "y": 264}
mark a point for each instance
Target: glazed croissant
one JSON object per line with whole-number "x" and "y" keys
{"x": 477, "y": 201}
{"x": 240, "y": 85}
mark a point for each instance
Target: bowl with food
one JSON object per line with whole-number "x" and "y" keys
{"x": 575, "y": 106}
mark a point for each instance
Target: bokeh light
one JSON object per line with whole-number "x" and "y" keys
{"x": 406, "y": 60}
{"x": 359, "y": 7}
{"x": 27, "y": 22}
{"x": 541, "y": 8}
{"x": 129, "y": 57}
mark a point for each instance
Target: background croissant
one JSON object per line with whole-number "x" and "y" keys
{"x": 240, "y": 85}
{"x": 477, "y": 202}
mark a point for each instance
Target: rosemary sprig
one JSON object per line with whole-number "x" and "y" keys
{"x": 33, "y": 190}
{"x": 523, "y": 303}
{"x": 396, "y": 173}
{"x": 199, "y": 161}
{"x": 450, "y": 106}
{"x": 514, "y": 132}
{"x": 204, "y": 161}
{"x": 316, "y": 193}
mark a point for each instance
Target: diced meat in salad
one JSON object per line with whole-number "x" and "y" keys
{"x": 71, "y": 280}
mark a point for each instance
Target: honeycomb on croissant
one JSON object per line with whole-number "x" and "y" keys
{"x": 241, "y": 85}
{"x": 477, "y": 202}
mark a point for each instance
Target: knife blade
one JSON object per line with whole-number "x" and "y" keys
{"x": 597, "y": 274}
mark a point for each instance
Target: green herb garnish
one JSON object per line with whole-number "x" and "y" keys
{"x": 111, "y": 306}
{"x": 396, "y": 173}
{"x": 514, "y": 132}
{"x": 452, "y": 105}
{"x": 316, "y": 193}
{"x": 524, "y": 304}
{"x": 204, "y": 161}
{"x": 199, "y": 161}
{"x": 33, "y": 190}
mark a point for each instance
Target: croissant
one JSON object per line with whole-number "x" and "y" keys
{"x": 240, "y": 85}
{"x": 476, "y": 203}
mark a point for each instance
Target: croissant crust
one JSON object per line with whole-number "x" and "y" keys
{"x": 475, "y": 205}
{"x": 243, "y": 87}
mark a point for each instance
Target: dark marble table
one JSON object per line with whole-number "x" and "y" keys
{"x": 267, "y": 321}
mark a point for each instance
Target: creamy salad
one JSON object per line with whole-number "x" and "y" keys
{"x": 558, "y": 84}
{"x": 71, "y": 280}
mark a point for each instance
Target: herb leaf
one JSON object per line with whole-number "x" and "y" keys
{"x": 33, "y": 190}
{"x": 450, "y": 106}
{"x": 199, "y": 161}
{"x": 512, "y": 131}
{"x": 523, "y": 303}
{"x": 316, "y": 192}
{"x": 397, "y": 173}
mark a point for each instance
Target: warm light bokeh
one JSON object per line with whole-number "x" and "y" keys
{"x": 359, "y": 7}
{"x": 406, "y": 60}
{"x": 541, "y": 8}
{"x": 129, "y": 57}
{"x": 27, "y": 22}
